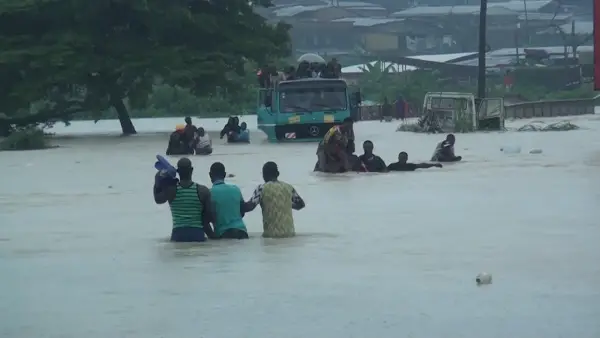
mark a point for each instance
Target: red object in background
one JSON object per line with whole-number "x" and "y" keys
{"x": 597, "y": 44}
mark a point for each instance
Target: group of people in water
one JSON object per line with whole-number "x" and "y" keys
{"x": 188, "y": 139}
{"x": 268, "y": 76}
{"x": 217, "y": 212}
{"x": 235, "y": 131}
{"x": 335, "y": 154}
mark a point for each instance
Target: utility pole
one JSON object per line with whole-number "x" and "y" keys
{"x": 482, "y": 50}
{"x": 526, "y": 23}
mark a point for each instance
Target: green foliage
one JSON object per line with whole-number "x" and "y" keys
{"x": 554, "y": 78}
{"x": 80, "y": 56}
{"x": 31, "y": 138}
{"x": 463, "y": 122}
{"x": 166, "y": 100}
{"x": 378, "y": 82}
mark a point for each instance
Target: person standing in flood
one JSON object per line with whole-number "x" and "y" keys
{"x": 334, "y": 150}
{"x": 177, "y": 142}
{"x": 444, "y": 151}
{"x": 371, "y": 162}
{"x": 190, "y": 205}
{"x": 276, "y": 199}
{"x": 203, "y": 143}
{"x": 404, "y": 165}
{"x": 189, "y": 133}
{"x": 228, "y": 205}
{"x": 231, "y": 129}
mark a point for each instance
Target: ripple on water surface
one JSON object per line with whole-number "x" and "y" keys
{"x": 377, "y": 255}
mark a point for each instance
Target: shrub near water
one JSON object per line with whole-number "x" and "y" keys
{"x": 32, "y": 138}
{"x": 463, "y": 122}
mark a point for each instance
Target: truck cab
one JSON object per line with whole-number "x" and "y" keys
{"x": 303, "y": 109}
{"x": 462, "y": 112}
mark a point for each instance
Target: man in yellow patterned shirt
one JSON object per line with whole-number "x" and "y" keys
{"x": 276, "y": 199}
{"x": 333, "y": 152}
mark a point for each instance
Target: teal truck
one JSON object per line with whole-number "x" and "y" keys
{"x": 304, "y": 109}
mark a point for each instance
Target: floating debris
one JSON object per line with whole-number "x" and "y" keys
{"x": 511, "y": 150}
{"x": 542, "y": 126}
{"x": 483, "y": 278}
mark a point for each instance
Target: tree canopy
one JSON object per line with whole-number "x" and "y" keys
{"x": 62, "y": 57}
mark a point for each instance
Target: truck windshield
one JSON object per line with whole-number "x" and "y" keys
{"x": 448, "y": 103}
{"x": 293, "y": 100}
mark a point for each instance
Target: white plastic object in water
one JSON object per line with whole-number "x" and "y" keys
{"x": 535, "y": 151}
{"x": 483, "y": 278}
{"x": 511, "y": 149}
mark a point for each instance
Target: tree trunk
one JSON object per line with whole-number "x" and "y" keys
{"x": 124, "y": 118}
{"x": 4, "y": 129}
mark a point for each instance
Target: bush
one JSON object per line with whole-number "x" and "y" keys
{"x": 463, "y": 122}
{"x": 411, "y": 127}
{"x": 173, "y": 101}
{"x": 31, "y": 138}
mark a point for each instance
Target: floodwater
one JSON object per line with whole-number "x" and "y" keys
{"x": 83, "y": 250}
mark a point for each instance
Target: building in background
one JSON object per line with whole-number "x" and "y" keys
{"x": 351, "y": 30}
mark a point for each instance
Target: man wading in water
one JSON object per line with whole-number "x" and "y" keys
{"x": 228, "y": 205}
{"x": 404, "y": 165}
{"x": 189, "y": 132}
{"x": 370, "y": 161}
{"x": 277, "y": 199}
{"x": 190, "y": 205}
{"x": 333, "y": 152}
{"x": 444, "y": 151}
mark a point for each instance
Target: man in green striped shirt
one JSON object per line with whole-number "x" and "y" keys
{"x": 190, "y": 205}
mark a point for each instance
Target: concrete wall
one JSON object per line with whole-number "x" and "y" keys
{"x": 380, "y": 41}
{"x": 555, "y": 108}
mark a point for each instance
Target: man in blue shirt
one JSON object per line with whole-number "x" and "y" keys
{"x": 228, "y": 205}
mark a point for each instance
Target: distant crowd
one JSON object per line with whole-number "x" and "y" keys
{"x": 335, "y": 154}
{"x": 194, "y": 207}
{"x": 268, "y": 76}
{"x": 187, "y": 139}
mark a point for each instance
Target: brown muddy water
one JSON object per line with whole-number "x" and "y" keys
{"x": 83, "y": 249}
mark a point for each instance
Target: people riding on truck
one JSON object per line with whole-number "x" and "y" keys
{"x": 268, "y": 76}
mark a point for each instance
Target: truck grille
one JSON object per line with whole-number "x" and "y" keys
{"x": 302, "y": 131}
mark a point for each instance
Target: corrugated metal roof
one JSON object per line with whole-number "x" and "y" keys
{"x": 396, "y": 68}
{"x": 490, "y": 61}
{"x": 368, "y": 22}
{"x": 288, "y": 11}
{"x": 325, "y": 3}
{"x": 436, "y": 10}
{"x": 544, "y": 16}
{"x": 497, "y": 8}
{"x": 440, "y": 57}
{"x": 355, "y": 4}
{"x": 361, "y": 68}
{"x": 550, "y": 50}
{"x": 581, "y": 27}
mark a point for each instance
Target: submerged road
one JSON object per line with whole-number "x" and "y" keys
{"x": 84, "y": 251}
